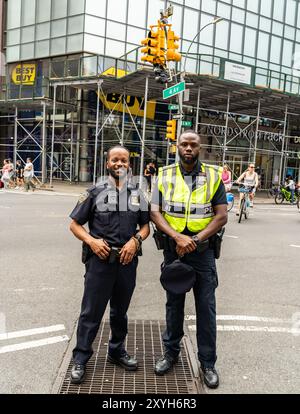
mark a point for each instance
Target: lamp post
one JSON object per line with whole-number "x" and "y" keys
{"x": 215, "y": 21}
{"x": 182, "y": 77}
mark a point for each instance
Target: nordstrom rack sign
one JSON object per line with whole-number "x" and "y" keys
{"x": 220, "y": 131}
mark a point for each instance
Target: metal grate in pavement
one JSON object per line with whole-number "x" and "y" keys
{"x": 144, "y": 341}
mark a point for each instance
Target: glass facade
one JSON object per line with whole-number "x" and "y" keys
{"x": 263, "y": 33}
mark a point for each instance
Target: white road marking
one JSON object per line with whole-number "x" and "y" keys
{"x": 32, "y": 290}
{"x": 243, "y": 318}
{"x": 294, "y": 245}
{"x": 31, "y": 332}
{"x": 33, "y": 344}
{"x": 233, "y": 328}
{"x": 231, "y": 237}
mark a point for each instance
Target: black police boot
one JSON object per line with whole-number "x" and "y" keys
{"x": 125, "y": 361}
{"x": 77, "y": 373}
{"x": 164, "y": 364}
{"x": 211, "y": 377}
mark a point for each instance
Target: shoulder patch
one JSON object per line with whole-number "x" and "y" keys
{"x": 83, "y": 197}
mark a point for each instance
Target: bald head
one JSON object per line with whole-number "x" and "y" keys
{"x": 190, "y": 133}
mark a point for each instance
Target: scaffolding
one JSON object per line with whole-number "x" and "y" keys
{"x": 213, "y": 103}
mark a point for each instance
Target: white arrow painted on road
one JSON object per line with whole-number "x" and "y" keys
{"x": 33, "y": 344}
{"x": 294, "y": 245}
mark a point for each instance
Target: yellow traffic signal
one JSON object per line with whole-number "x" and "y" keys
{"x": 171, "y": 130}
{"x": 172, "y": 46}
{"x": 151, "y": 49}
{"x": 161, "y": 46}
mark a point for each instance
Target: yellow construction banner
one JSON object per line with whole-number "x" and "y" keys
{"x": 112, "y": 72}
{"x": 135, "y": 105}
{"x": 24, "y": 74}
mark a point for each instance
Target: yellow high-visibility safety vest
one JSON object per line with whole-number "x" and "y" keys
{"x": 183, "y": 208}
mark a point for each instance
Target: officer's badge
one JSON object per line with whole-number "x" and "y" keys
{"x": 83, "y": 197}
{"x": 135, "y": 200}
{"x": 201, "y": 180}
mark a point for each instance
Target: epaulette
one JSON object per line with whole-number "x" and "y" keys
{"x": 100, "y": 186}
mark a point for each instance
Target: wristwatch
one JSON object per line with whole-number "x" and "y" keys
{"x": 196, "y": 240}
{"x": 139, "y": 238}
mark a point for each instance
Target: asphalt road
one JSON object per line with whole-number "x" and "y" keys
{"x": 41, "y": 286}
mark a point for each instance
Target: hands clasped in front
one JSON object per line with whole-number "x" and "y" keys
{"x": 101, "y": 248}
{"x": 185, "y": 245}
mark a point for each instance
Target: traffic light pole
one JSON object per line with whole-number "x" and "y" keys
{"x": 144, "y": 133}
{"x": 180, "y": 115}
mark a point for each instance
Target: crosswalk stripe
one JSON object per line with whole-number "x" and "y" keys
{"x": 236, "y": 328}
{"x": 31, "y": 332}
{"x": 33, "y": 344}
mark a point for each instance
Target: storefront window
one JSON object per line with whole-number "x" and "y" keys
{"x": 236, "y": 38}
{"x": 43, "y": 8}
{"x": 42, "y": 31}
{"x": 14, "y": 14}
{"x": 28, "y": 12}
{"x": 137, "y": 12}
{"x": 59, "y": 8}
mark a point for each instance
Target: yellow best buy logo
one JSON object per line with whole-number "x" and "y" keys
{"x": 24, "y": 74}
{"x": 134, "y": 105}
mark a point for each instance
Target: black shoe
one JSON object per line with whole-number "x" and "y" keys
{"x": 125, "y": 361}
{"x": 211, "y": 377}
{"x": 164, "y": 364}
{"x": 77, "y": 373}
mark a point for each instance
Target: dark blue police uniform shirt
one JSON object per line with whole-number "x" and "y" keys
{"x": 112, "y": 214}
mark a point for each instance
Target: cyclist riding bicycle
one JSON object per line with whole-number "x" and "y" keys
{"x": 250, "y": 180}
{"x": 290, "y": 186}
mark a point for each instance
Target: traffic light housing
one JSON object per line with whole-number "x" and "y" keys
{"x": 172, "y": 46}
{"x": 151, "y": 49}
{"x": 171, "y": 130}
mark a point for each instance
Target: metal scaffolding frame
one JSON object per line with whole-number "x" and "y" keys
{"x": 207, "y": 94}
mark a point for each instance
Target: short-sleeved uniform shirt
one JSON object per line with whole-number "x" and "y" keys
{"x": 218, "y": 199}
{"x": 112, "y": 214}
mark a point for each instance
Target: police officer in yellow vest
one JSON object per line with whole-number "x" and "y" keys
{"x": 189, "y": 207}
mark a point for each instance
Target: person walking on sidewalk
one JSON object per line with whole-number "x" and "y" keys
{"x": 114, "y": 210}
{"x": 19, "y": 175}
{"x": 189, "y": 208}
{"x": 28, "y": 175}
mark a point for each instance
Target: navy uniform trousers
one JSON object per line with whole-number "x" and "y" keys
{"x": 104, "y": 282}
{"x": 205, "y": 303}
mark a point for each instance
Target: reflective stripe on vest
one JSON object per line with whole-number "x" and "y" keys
{"x": 183, "y": 208}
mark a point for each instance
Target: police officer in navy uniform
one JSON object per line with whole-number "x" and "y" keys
{"x": 189, "y": 207}
{"x": 114, "y": 209}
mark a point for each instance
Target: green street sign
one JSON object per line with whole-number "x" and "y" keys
{"x": 173, "y": 107}
{"x": 186, "y": 123}
{"x": 174, "y": 90}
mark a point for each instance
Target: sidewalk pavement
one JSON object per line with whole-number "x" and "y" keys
{"x": 79, "y": 188}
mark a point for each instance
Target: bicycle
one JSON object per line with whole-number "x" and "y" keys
{"x": 285, "y": 195}
{"x": 230, "y": 201}
{"x": 245, "y": 202}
